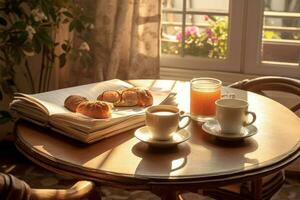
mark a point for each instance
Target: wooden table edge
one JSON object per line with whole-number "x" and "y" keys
{"x": 137, "y": 182}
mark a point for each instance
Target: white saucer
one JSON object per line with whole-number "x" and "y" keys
{"x": 212, "y": 127}
{"x": 144, "y": 135}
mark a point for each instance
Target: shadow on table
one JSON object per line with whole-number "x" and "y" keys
{"x": 60, "y": 147}
{"x": 235, "y": 155}
{"x": 160, "y": 161}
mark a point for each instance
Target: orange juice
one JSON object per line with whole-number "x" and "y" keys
{"x": 203, "y": 103}
{"x": 204, "y": 93}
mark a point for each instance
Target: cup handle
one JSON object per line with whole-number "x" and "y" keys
{"x": 186, "y": 124}
{"x": 253, "y": 118}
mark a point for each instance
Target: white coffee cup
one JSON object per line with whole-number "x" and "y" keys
{"x": 163, "y": 121}
{"x": 232, "y": 115}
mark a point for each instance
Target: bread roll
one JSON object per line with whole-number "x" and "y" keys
{"x": 128, "y": 97}
{"x": 95, "y": 109}
{"x": 111, "y": 96}
{"x": 145, "y": 98}
{"x": 73, "y": 101}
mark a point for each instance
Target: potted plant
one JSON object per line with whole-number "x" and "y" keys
{"x": 28, "y": 31}
{"x": 210, "y": 43}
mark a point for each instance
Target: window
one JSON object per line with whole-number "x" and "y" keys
{"x": 252, "y": 36}
{"x": 273, "y": 39}
{"x": 189, "y": 30}
{"x": 197, "y": 34}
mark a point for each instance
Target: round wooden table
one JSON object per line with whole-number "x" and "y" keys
{"x": 202, "y": 161}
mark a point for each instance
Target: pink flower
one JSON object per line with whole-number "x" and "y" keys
{"x": 209, "y": 32}
{"x": 206, "y": 17}
{"x": 179, "y": 36}
{"x": 189, "y": 31}
{"x": 214, "y": 39}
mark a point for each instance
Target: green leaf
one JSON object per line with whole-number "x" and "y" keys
{"x": 85, "y": 18}
{"x": 72, "y": 25}
{"x": 22, "y": 38}
{"x": 3, "y": 21}
{"x": 66, "y": 21}
{"x": 3, "y": 35}
{"x": 79, "y": 26}
{"x": 17, "y": 54}
{"x": 2, "y": 4}
{"x": 27, "y": 47}
{"x": 8, "y": 87}
{"x": 53, "y": 14}
{"x": 45, "y": 5}
{"x": 44, "y": 37}
{"x": 64, "y": 47}
{"x": 37, "y": 46}
{"x": 62, "y": 60}
{"x": 68, "y": 14}
{"x": 4, "y": 117}
{"x": 19, "y": 25}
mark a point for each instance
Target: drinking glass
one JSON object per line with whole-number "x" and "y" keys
{"x": 204, "y": 93}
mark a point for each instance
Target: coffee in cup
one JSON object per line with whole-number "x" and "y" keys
{"x": 232, "y": 115}
{"x": 163, "y": 121}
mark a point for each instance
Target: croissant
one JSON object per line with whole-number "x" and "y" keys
{"x": 72, "y": 101}
{"x": 95, "y": 109}
{"x": 128, "y": 97}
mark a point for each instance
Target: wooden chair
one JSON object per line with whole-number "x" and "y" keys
{"x": 271, "y": 184}
{"x": 12, "y": 188}
{"x": 271, "y": 83}
{"x": 264, "y": 84}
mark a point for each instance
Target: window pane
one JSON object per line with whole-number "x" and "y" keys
{"x": 171, "y": 26}
{"x": 281, "y": 31}
{"x": 174, "y": 4}
{"x": 213, "y": 5}
{"x": 206, "y": 28}
{"x": 206, "y": 36}
{"x": 282, "y": 28}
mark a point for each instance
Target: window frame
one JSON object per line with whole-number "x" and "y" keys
{"x": 234, "y": 48}
{"x": 244, "y": 46}
{"x": 253, "y": 64}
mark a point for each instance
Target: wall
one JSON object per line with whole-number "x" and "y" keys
{"x": 23, "y": 85}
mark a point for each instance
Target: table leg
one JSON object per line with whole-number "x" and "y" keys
{"x": 166, "y": 194}
{"x": 170, "y": 196}
{"x": 256, "y": 189}
{"x": 94, "y": 195}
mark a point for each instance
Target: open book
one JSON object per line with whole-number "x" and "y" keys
{"x": 47, "y": 109}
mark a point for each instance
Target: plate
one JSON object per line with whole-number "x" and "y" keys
{"x": 212, "y": 127}
{"x": 144, "y": 135}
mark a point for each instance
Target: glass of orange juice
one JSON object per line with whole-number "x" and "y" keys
{"x": 204, "y": 93}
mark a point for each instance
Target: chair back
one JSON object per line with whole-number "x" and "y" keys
{"x": 271, "y": 83}
{"x": 12, "y": 188}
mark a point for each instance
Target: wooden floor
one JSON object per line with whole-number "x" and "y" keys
{"x": 11, "y": 161}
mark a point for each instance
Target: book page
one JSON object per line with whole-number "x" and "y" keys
{"x": 134, "y": 122}
{"x": 54, "y": 100}
{"x": 88, "y": 124}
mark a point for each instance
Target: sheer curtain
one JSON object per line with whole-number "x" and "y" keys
{"x": 130, "y": 31}
{"x": 127, "y": 33}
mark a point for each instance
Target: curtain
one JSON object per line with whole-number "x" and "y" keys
{"x": 61, "y": 75}
{"x": 127, "y": 33}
